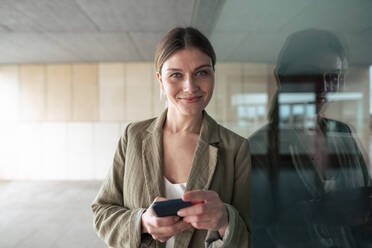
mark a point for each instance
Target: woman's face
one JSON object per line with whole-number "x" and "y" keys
{"x": 187, "y": 79}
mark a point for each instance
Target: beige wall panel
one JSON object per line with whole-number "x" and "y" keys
{"x": 9, "y": 93}
{"x": 255, "y": 77}
{"x": 212, "y": 105}
{"x": 80, "y": 150}
{"x": 111, "y": 91}
{"x": 9, "y": 150}
{"x": 59, "y": 91}
{"x": 138, "y": 79}
{"x": 31, "y": 162}
{"x": 105, "y": 137}
{"x": 32, "y": 92}
{"x": 257, "y": 93}
{"x": 220, "y": 94}
{"x": 229, "y": 82}
{"x": 84, "y": 92}
{"x": 54, "y": 151}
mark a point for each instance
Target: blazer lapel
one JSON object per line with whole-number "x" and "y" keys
{"x": 152, "y": 156}
{"x": 203, "y": 167}
{"x": 205, "y": 157}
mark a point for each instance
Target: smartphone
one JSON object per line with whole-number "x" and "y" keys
{"x": 169, "y": 207}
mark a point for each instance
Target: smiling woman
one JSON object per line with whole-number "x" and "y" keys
{"x": 183, "y": 154}
{"x": 187, "y": 78}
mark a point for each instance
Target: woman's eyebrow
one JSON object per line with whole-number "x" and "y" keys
{"x": 201, "y": 66}
{"x": 197, "y": 68}
{"x": 173, "y": 69}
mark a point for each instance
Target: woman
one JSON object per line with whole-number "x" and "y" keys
{"x": 184, "y": 154}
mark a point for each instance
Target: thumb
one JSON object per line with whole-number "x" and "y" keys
{"x": 159, "y": 198}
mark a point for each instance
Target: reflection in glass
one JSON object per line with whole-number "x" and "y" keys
{"x": 310, "y": 183}
{"x": 251, "y": 107}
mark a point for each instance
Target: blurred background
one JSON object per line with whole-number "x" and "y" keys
{"x": 74, "y": 73}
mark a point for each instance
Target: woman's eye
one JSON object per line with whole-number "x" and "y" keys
{"x": 201, "y": 73}
{"x": 176, "y": 75}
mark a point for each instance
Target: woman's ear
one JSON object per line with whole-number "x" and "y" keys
{"x": 160, "y": 80}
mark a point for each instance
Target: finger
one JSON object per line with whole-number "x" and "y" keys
{"x": 197, "y": 209}
{"x": 199, "y": 195}
{"x": 159, "y": 198}
{"x": 161, "y": 238}
{"x": 176, "y": 228}
{"x": 198, "y": 218}
{"x": 203, "y": 226}
{"x": 164, "y": 221}
{"x": 164, "y": 239}
{"x": 183, "y": 226}
{"x": 171, "y": 230}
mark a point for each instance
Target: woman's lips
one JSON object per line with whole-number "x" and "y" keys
{"x": 191, "y": 99}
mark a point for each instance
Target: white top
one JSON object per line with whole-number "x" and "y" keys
{"x": 173, "y": 191}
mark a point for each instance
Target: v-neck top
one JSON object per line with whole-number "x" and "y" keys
{"x": 173, "y": 191}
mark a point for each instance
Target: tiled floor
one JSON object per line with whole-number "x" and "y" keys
{"x": 47, "y": 214}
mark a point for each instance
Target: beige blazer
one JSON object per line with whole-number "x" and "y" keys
{"x": 221, "y": 163}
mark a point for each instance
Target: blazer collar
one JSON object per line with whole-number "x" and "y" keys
{"x": 157, "y": 125}
{"x": 203, "y": 164}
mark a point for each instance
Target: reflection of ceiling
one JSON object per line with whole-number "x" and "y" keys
{"x": 259, "y": 27}
{"x": 42, "y": 31}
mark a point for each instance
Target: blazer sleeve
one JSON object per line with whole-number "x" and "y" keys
{"x": 115, "y": 224}
{"x": 238, "y": 232}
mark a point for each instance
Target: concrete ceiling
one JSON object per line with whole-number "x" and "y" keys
{"x": 56, "y": 31}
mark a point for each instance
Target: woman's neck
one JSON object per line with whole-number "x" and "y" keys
{"x": 179, "y": 123}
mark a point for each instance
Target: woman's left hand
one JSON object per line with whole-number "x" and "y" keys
{"x": 209, "y": 213}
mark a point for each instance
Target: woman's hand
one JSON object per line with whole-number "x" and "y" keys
{"x": 161, "y": 228}
{"x": 210, "y": 213}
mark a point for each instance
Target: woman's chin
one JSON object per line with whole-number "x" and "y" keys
{"x": 191, "y": 110}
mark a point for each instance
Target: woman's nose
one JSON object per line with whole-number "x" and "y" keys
{"x": 190, "y": 84}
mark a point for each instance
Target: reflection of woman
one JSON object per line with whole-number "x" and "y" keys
{"x": 183, "y": 153}
{"x": 302, "y": 175}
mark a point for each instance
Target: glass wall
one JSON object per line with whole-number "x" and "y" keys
{"x": 302, "y": 98}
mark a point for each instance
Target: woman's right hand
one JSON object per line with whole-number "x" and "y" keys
{"x": 162, "y": 228}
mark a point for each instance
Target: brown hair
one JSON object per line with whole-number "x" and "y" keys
{"x": 180, "y": 38}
